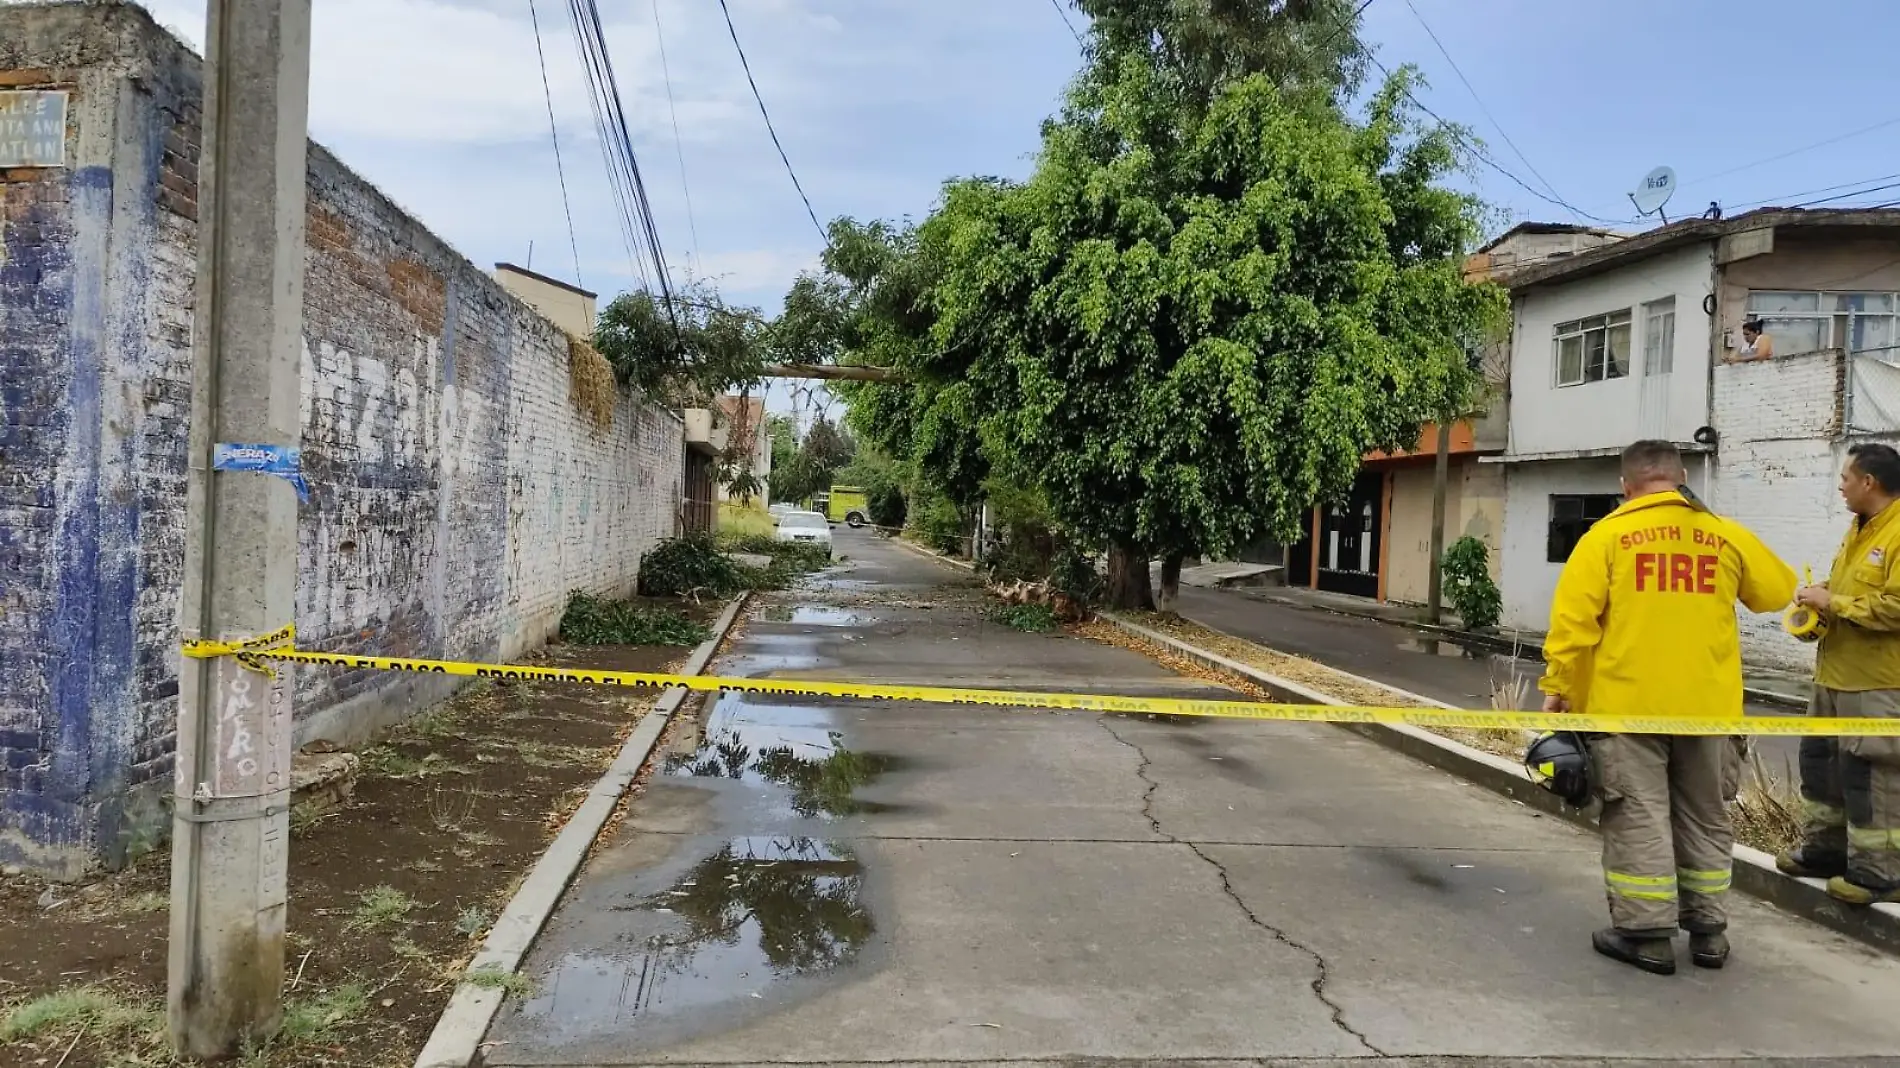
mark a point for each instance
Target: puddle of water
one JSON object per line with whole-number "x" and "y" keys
{"x": 1436, "y": 647}
{"x": 791, "y": 747}
{"x": 813, "y": 615}
{"x": 759, "y": 910}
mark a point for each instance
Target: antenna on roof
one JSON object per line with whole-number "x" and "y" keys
{"x": 1656, "y": 189}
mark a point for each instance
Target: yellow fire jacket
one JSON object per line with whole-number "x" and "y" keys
{"x": 1861, "y": 650}
{"x": 1643, "y": 621}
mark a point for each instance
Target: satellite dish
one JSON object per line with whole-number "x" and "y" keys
{"x": 1656, "y": 189}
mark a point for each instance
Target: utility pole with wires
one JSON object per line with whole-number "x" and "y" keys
{"x": 230, "y": 830}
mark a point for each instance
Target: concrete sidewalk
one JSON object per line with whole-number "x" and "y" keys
{"x": 1770, "y": 686}
{"x": 875, "y": 882}
{"x": 1440, "y": 669}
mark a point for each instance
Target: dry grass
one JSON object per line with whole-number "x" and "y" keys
{"x": 1767, "y": 811}
{"x": 743, "y": 521}
{"x": 590, "y": 383}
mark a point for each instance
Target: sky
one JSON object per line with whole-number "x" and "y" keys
{"x": 877, "y": 102}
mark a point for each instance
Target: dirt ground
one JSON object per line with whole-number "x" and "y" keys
{"x": 389, "y": 895}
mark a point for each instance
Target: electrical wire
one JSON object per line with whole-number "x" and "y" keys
{"x": 1845, "y": 196}
{"x": 623, "y": 164}
{"x": 1477, "y": 151}
{"x": 1495, "y": 124}
{"x": 1073, "y": 32}
{"x": 776, "y": 143}
{"x": 1782, "y": 197}
{"x": 679, "y": 146}
{"x": 1344, "y": 24}
{"x": 1793, "y": 152}
{"x": 554, "y": 132}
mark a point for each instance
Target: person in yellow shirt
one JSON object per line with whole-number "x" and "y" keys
{"x": 1643, "y": 623}
{"x": 1850, "y": 787}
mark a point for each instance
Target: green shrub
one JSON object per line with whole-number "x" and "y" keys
{"x": 690, "y": 563}
{"x": 1033, "y": 618}
{"x": 1468, "y": 585}
{"x": 1072, "y": 572}
{"x": 598, "y": 621}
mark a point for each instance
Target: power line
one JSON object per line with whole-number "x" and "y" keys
{"x": 783, "y": 158}
{"x": 1499, "y": 127}
{"x": 554, "y": 133}
{"x": 679, "y": 146}
{"x": 1057, "y": 4}
{"x": 1477, "y": 151}
{"x": 1344, "y": 24}
{"x": 623, "y": 164}
{"x": 1846, "y": 195}
{"x": 1807, "y": 192}
{"x": 1794, "y": 152}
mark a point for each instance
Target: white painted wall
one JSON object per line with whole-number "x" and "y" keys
{"x": 1547, "y": 418}
{"x": 1778, "y": 474}
{"x": 1527, "y": 579}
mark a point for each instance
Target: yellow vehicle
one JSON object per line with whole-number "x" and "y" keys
{"x": 847, "y": 505}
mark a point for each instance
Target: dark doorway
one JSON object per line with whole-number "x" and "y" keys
{"x": 1349, "y": 538}
{"x": 1299, "y": 555}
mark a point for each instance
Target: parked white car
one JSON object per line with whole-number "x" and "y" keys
{"x": 805, "y": 527}
{"x": 777, "y": 511}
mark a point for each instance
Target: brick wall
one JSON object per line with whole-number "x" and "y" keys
{"x": 457, "y": 493}
{"x": 1778, "y": 472}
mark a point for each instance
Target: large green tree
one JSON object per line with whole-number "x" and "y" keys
{"x": 1192, "y": 326}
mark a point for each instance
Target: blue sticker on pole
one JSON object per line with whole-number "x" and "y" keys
{"x": 284, "y": 461}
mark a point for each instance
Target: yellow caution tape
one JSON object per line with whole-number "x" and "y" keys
{"x": 276, "y": 647}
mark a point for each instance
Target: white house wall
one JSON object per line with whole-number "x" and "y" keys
{"x": 1778, "y": 473}
{"x": 1547, "y": 418}
{"x": 1528, "y": 579}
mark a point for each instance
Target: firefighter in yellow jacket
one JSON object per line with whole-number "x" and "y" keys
{"x": 1643, "y": 623}
{"x": 1850, "y": 787}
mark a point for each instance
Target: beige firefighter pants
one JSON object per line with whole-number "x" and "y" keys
{"x": 1850, "y": 793}
{"x": 1667, "y": 840}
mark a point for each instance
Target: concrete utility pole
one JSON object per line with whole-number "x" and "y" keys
{"x": 1441, "y": 477}
{"x": 230, "y": 832}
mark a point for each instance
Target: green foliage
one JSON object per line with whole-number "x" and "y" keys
{"x": 684, "y": 355}
{"x": 697, "y": 563}
{"x": 882, "y": 480}
{"x": 1031, "y": 618}
{"x": 1073, "y": 572}
{"x": 943, "y": 525}
{"x": 812, "y": 467}
{"x": 1200, "y": 44}
{"x": 93, "y": 1009}
{"x": 1468, "y": 586}
{"x": 591, "y": 620}
{"x": 690, "y": 564}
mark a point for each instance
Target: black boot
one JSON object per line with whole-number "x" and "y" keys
{"x": 1708, "y": 949}
{"x": 1652, "y": 953}
{"x": 1798, "y": 863}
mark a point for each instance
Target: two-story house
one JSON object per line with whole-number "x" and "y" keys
{"x": 1642, "y": 339}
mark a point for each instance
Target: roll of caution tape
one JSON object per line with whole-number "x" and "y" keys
{"x": 278, "y": 648}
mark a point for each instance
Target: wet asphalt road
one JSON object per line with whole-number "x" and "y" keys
{"x": 832, "y": 882}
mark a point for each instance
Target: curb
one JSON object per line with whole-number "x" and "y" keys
{"x": 458, "y": 1034}
{"x": 1495, "y": 643}
{"x": 919, "y": 550}
{"x": 1755, "y": 873}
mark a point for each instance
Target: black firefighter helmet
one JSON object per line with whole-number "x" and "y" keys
{"x": 1560, "y": 762}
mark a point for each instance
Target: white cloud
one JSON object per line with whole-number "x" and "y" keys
{"x": 444, "y": 71}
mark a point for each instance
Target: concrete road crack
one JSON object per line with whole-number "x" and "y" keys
{"x": 1323, "y": 971}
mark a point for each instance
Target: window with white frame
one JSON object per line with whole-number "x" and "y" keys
{"x": 1593, "y": 349}
{"x": 1799, "y": 321}
{"x": 1659, "y": 336}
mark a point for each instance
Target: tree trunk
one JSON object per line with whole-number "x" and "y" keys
{"x": 1128, "y": 587}
{"x": 1168, "y": 599}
